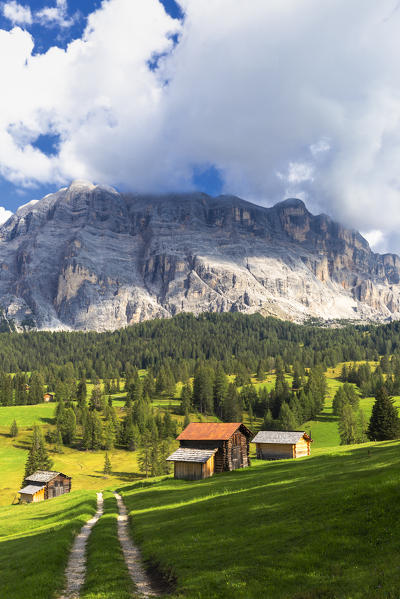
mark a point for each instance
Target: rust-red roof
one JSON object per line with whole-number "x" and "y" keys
{"x": 210, "y": 431}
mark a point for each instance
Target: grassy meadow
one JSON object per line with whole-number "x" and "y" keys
{"x": 34, "y": 543}
{"x": 323, "y": 527}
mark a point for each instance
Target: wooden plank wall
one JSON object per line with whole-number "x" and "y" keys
{"x": 274, "y": 451}
{"x": 302, "y": 448}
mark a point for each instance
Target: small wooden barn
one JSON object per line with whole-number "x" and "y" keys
{"x": 277, "y": 445}
{"x": 44, "y": 484}
{"x": 211, "y": 447}
{"x": 48, "y": 397}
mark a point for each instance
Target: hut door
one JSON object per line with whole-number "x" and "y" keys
{"x": 235, "y": 457}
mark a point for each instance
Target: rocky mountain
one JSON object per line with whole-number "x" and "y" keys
{"x": 88, "y": 257}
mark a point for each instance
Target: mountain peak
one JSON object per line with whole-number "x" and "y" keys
{"x": 291, "y": 203}
{"x": 88, "y": 257}
{"x": 78, "y": 184}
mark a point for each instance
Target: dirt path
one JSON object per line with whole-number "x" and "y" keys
{"x": 145, "y": 587}
{"x": 76, "y": 568}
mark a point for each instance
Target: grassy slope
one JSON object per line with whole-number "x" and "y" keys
{"x": 34, "y": 544}
{"x": 85, "y": 467}
{"x": 321, "y": 527}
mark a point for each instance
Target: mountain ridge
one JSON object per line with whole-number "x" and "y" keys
{"x": 89, "y": 257}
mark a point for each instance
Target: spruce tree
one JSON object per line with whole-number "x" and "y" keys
{"x": 14, "y": 429}
{"x": 384, "y": 423}
{"x": 107, "y": 465}
{"x": 59, "y": 443}
{"x": 348, "y": 425}
{"x": 287, "y": 419}
{"x": 145, "y": 454}
{"x": 38, "y": 458}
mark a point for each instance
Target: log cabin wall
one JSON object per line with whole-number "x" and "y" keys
{"x": 188, "y": 470}
{"x": 231, "y": 454}
{"x": 27, "y": 498}
{"x": 275, "y": 451}
{"x": 302, "y": 448}
{"x": 57, "y": 486}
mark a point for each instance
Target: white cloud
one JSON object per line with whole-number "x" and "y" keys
{"x": 55, "y": 15}
{"x": 375, "y": 238}
{"x": 254, "y": 88}
{"x": 4, "y": 215}
{"x": 17, "y": 13}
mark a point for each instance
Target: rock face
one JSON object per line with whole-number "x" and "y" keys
{"x": 88, "y": 257}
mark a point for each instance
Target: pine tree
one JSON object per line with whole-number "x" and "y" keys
{"x": 93, "y": 431}
{"x": 260, "y": 371}
{"x": 287, "y": 420}
{"x": 186, "y": 399}
{"x": 385, "y": 422}
{"x": 109, "y": 435}
{"x": 36, "y": 388}
{"x": 186, "y": 420}
{"x": 59, "y": 443}
{"x": 66, "y": 424}
{"x": 38, "y": 458}
{"x": 269, "y": 423}
{"x": 107, "y": 465}
{"x": 220, "y": 389}
{"x": 144, "y": 457}
{"x": 232, "y": 411}
{"x": 14, "y": 429}
{"x": 348, "y": 426}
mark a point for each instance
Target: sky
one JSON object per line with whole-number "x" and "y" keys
{"x": 265, "y": 100}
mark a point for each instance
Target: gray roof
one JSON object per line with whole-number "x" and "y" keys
{"x": 31, "y": 489}
{"x": 289, "y": 437}
{"x": 42, "y": 476}
{"x": 187, "y": 454}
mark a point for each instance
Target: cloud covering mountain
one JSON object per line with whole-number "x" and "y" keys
{"x": 285, "y": 97}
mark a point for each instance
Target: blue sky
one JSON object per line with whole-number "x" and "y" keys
{"x": 205, "y": 176}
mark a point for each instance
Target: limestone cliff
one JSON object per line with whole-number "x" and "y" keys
{"x": 88, "y": 257}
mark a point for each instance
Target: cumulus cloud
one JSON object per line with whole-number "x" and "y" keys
{"x": 55, "y": 15}
{"x": 4, "y": 215}
{"x": 285, "y": 97}
{"x": 17, "y": 13}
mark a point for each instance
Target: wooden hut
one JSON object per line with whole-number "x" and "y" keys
{"x": 277, "y": 445}
{"x": 44, "y": 484}
{"x": 48, "y": 397}
{"x": 209, "y": 447}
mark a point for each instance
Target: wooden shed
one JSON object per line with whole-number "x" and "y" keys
{"x": 210, "y": 447}
{"x": 48, "y": 397}
{"x": 44, "y": 484}
{"x": 277, "y": 445}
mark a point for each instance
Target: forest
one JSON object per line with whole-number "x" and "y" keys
{"x": 214, "y": 358}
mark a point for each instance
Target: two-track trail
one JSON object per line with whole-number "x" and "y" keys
{"x": 76, "y": 568}
{"x": 144, "y": 585}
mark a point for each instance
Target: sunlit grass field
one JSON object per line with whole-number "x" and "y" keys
{"x": 323, "y": 527}
{"x": 34, "y": 543}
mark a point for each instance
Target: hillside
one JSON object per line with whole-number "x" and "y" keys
{"x": 326, "y": 527}
{"x": 323, "y": 527}
{"x": 90, "y": 258}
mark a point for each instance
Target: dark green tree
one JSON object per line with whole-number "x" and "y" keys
{"x": 38, "y": 458}
{"x": 384, "y": 423}
{"x": 107, "y": 469}
{"x": 14, "y": 429}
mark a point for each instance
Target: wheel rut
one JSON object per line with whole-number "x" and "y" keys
{"x": 76, "y": 568}
{"x": 144, "y": 585}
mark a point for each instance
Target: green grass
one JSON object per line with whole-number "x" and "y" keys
{"x": 107, "y": 576}
{"x": 324, "y": 527}
{"x": 27, "y": 415}
{"x": 85, "y": 467}
{"x": 35, "y": 540}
